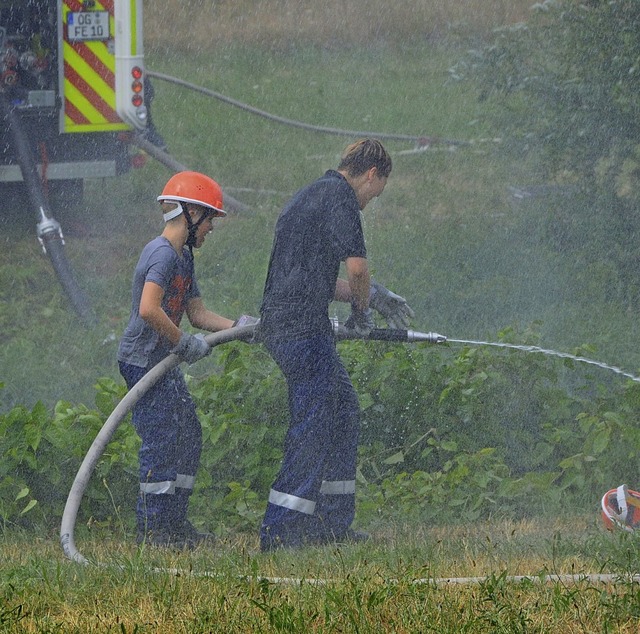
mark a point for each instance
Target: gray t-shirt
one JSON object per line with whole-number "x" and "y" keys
{"x": 141, "y": 345}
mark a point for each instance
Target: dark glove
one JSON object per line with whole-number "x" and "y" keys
{"x": 392, "y": 307}
{"x": 360, "y": 321}
{"x": 246, "y": 320}
{"x": 191, "y": 348}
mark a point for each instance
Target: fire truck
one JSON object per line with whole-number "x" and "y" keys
{"x": 72, "y": 91}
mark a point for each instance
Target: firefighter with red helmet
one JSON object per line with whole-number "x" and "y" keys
{"x": 164, "y": 289}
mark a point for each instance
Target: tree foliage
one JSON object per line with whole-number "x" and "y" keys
{"x": 571, "y": 82}
{"x": 566, "y": 86}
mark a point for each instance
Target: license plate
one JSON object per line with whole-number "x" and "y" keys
{"x": 88, "y": 25}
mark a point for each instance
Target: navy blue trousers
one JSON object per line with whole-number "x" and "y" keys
{"x": 166, "y": 421}
{"x": 313, "y": 496}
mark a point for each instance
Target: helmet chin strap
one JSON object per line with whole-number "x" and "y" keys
{"x": 192, "y": 227}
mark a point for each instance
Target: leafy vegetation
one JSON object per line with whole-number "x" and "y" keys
{"x": 567, "y": 84}
{"x": 448, "y": 436}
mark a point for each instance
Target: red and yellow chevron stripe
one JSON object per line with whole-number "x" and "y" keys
{"x": 89, "y": 77}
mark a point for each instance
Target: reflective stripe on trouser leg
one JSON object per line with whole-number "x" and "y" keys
{"x": 291, "y": 502}
{"x": 168, "y": 487}
{"x": 315, "y": 377}
{"x": 185, "y": 482}
{"x": 339, "y": 487}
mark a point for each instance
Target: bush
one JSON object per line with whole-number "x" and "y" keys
{"x": 42, "y": 451}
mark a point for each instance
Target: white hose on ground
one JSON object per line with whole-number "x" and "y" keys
{"x": 69, "y": 516}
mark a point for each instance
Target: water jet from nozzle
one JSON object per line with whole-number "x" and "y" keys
{"x": 550, "y": 353}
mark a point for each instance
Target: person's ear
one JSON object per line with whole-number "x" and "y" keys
{"x": 194, "y": 212}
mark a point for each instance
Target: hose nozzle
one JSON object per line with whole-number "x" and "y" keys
{"x": 429, "y": 337}
{"x": 388, "y": 334}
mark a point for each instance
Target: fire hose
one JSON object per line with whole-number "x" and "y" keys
{"x": 48, "y": 228}
{"x": 422, "y": 140}
{"x": 242, "y": 333}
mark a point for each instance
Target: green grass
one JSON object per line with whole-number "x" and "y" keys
{"x": 382, "y": 586}
{"x": 287, "y": 24}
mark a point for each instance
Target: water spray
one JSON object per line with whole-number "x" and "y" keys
{"x": 550, "y": 353}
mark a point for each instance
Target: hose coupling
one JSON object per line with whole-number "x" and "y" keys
{"x": 48, "y": 228}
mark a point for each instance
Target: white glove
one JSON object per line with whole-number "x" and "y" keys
{"x": 360, "y": 321}
{"x": 246, "y": 320}
{"x": 191, "y": 348}
{"x": 392, "y": 307}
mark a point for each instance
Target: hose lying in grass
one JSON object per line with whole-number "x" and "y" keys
{"x": 420, "y": 140}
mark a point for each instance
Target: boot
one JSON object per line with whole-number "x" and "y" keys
{"x": 152, "y": 519}
{"x": 181, "y": 529}
{"x": 190, "y": 537}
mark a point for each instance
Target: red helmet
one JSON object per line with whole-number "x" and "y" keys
{"x": 621, "y": 509}
{"x": 193, "y": 187}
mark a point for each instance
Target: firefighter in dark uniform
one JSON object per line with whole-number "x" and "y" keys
{"x": 312, "y": 500}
